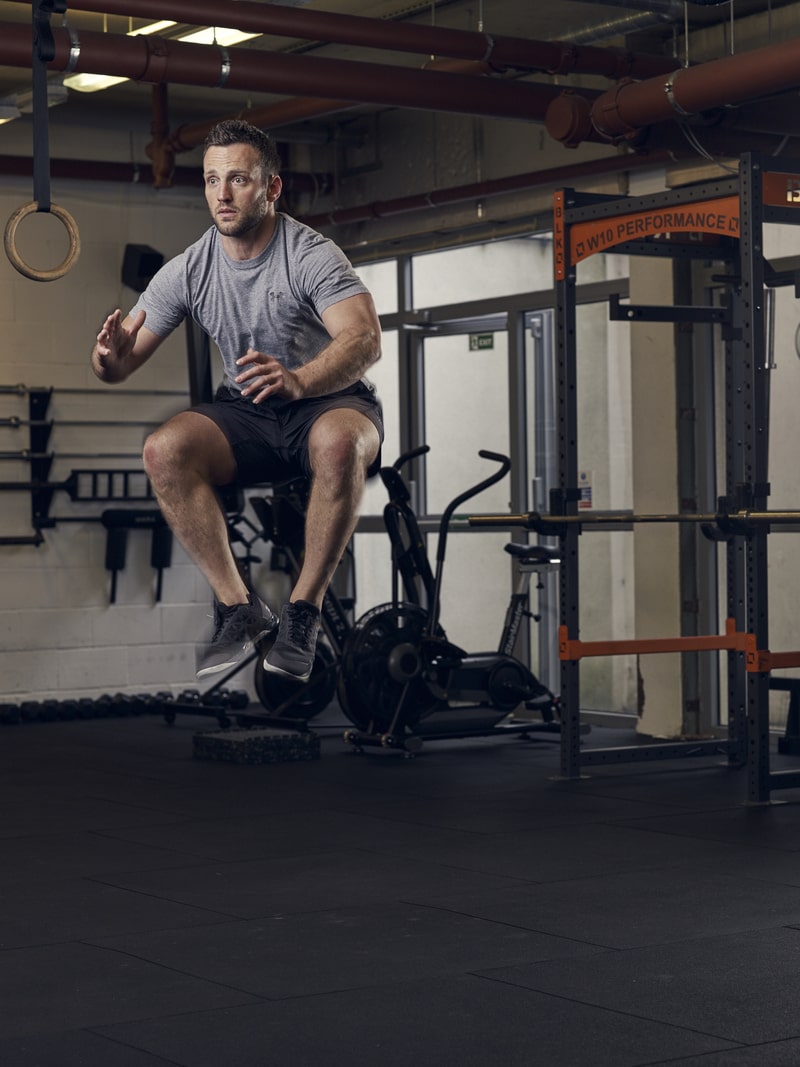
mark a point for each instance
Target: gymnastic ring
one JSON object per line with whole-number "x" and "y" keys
{"x": 16, "y": 260}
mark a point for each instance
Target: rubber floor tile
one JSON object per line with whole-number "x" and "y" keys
{"x": 774, "y": 1054}
{"x": 742, "y": 988}
{"x": 290, "y": 834}
{"x": 522, "y": 809}
{"x": 465, "y": 1022}
{"x": 555, "y": 854}
{"x": 59, "y": 813}
{"x": 681, "y": 904}
{"x": 70, "y": 987}
{"x": 75, "y": 1049}
{"x": 771, "y": 826}
{"x": 77, "y": 909}
{"x": 315, "y": 881}
{"x": 302, "y": 955}
{"x": 56, "y": 856}
{"x": 688, "y": 784}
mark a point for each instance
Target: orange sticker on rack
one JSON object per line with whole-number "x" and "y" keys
{"x": 719, "y": 218}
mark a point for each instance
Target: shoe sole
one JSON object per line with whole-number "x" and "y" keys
{"x": 286, "y": 674}
{"x": 218, "y": 668}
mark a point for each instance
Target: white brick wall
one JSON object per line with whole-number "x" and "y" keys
{"x": 60, "y": 637}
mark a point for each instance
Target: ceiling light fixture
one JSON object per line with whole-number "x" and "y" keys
{"x": 20, "y": 103}
{"x": 91, "y": 83}
{"x": 56, "y": 94}
{"x": 220, "y": 35}
{"x": 8, "y": 112}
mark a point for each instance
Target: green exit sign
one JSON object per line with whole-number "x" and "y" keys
{"x": 480, "y": 341}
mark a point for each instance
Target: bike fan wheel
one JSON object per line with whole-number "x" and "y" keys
{"x": 284, "y": 697}
{"x": 381, "y": 662}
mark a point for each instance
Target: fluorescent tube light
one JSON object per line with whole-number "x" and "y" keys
{"x": 56, "y": 94}
{"x": 8, "y": 112}
{"x": 220, "y": 35}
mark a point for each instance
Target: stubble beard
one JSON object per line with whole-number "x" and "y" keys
{"x": 243, "y": 223}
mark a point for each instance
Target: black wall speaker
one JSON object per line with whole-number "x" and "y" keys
{"x": 139, "y": 264}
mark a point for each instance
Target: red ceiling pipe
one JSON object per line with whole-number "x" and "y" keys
{"x": 297, "y": 109}
{"x": 731, "y": 80}
{"x": 501, "y": 51}
{"x": 151, "y": 59}
{"x": 721, "y": 142}
{"x": 97, "y": 170}
{"x": 190, "y": 135}
{"x": 569, "y": 120}
{"x": 162, "y": 156}
{"x": 142, "y": 174}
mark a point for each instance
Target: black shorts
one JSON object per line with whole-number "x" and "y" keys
{"x": 270, "y": 440}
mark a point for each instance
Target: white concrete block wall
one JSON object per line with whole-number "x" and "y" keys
{"x": 60, "y": 636}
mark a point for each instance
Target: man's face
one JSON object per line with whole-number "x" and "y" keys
{"x": 237, "y": 193}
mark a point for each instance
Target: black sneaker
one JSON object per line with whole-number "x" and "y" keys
{"x": 236, "y": 630}
{"x": 294, "y": 648}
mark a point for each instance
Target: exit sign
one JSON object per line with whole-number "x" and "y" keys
{"x": 480, "y": 341}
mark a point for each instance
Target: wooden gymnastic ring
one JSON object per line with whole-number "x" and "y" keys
{"x": 16, "y": 260}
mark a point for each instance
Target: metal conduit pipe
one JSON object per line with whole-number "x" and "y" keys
{"x": 615, "y": 27}
{"x": 667, "y": 9}
{"x": 502, "y": 52}
{"x": 688, "y": 91}
{"x": 484, "y": 190}
{"x": 670, "y": 148}
{"x": 150, "y": 59}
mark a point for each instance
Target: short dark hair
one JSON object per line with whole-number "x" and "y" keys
{"x": 237, "y": 131}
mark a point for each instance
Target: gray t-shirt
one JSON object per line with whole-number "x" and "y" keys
{"x": 272, "y": 303}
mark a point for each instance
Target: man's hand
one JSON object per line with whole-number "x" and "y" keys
{"x": 264, "y": 376}
{"x": 115, "y": 343}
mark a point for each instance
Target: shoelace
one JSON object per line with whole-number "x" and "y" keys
{"x": 226, "y": 615}
{"x": 301, "y": 625}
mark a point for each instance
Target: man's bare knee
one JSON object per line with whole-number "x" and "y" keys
{"x": 189, "y": 444}
{"x": 344, "y": 446}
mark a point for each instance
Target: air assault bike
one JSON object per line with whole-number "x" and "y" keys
{"x": 401, "y": 681}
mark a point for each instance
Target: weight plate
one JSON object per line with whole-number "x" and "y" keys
{"x": 370, "y": 692}
{"x": 297, "y": 700}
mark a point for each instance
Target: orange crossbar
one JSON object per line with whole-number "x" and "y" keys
{"x": 756, "y": 660}
{"x": 771, "y": 661}
{"x": 732, "y": 640}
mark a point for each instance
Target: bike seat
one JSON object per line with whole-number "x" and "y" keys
{"x": 533, "y": 553}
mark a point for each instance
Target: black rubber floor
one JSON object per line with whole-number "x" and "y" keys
{"x": 461, "y": 909}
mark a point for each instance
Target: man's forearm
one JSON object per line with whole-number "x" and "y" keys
{"x": 341, "y": 363}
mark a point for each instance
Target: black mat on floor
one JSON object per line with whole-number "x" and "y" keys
{"x": 466, "y": 907}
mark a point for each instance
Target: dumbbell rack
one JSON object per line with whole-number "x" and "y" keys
{"x": 218, "y": 704}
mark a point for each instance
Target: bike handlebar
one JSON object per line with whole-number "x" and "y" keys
{"x": 505, "y": 467}
{"x": 406, "y": 457}
{"x": 498, "y": 457}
